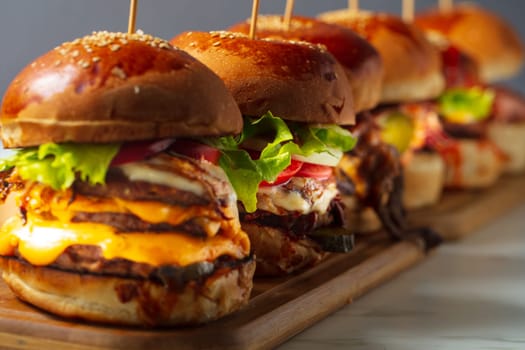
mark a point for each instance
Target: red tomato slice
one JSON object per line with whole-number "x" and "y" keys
{"x": 286, "y": 174}
{"x": 139, "y": 150}
{"x": 196, "y": 150}
{"x": 315, "y": 171}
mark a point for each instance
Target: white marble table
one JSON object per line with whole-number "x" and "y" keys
{"x": 468, "y": 295}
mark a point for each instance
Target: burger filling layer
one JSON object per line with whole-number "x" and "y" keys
{"x": 138, "y": 215}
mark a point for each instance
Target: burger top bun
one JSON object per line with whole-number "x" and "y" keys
{"x": 296, "y": 81}
{"x": 480, "y": 34}
{"x": 113, "y": 87}
{"x": 412, "y": 63}
{"x": 360, "y": 60}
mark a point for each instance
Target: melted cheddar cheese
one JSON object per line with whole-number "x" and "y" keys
{"x": 41, "y": 242}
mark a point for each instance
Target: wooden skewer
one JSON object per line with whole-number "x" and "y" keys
{"x": 255, "y": 14}
{"x": 132, "y": 16}
{"x": 353, "y": 5}
{"x": 288, "y": 13}
{"x": 446, "y": 5}
{"x": 408, "y": 10}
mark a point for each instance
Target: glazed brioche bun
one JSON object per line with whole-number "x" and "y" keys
{"x": 112, "y": 87}
{"x": 412, "y": 65}
{"x": 424, "y": 178}
{"x": 296, "y": 81}
{"x": 362, "y": 63}
{"x": 128, "y": 301}
{"x": 481, "y": 34}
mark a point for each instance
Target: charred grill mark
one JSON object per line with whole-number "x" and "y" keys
{"x": 118, "y": 186}
{"x": 89, "y": 259}
{"x": 131, "y": 223}
{"x": 295, "y": 225}
{"x": 298, "y": 225}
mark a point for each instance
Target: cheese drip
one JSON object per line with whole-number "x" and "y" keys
{"x": 41, "y": 242}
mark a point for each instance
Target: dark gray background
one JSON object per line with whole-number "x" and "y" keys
{"x": 29, "y": 28}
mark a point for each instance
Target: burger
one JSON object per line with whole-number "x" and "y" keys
{"x": 294, "y": 96}
{"x": 495, "y": 49}
{"x": 493, "y": 45}
{"x": 412, "y": 78}
{"x": 123, "y": 214}
{"x": 369, "y": 176}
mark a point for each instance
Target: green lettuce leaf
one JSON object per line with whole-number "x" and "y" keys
{"x": 281, "y": 142}
{"x": 318, "y": 139}
{"x": 57, "y": 165}
{"x": 244, "y": 175}
{"x": 466, "y": 105}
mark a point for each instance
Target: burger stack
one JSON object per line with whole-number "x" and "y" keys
{"x": 153, "y": 179}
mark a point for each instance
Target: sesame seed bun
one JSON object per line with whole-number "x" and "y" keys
{"x": 412, "y": 64}
{"x": 113, "y": 87}
{"x": 480, "y": 34}
{"x": 361, "y": 61}
{"x": 296, "y": 81}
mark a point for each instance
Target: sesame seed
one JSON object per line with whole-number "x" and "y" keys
{"x": 113, "y": 40}
{"x": 136, "y": 89}
{"x": 57, "y": 63}
{"x": 95, "y": 59}
{"x": 83, "y": 63}
{"x": 217, "y": 43}
{"x": 119, "y": 73}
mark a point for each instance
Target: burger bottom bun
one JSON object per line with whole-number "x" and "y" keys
{"x": 510, "y": 138}
{"x": 360, "y": 219}
{"x": 424, "y": 177}
{"x": 477, "y": 164}
{"x": 277, "y": 253}
{"x": 129, "y": 301}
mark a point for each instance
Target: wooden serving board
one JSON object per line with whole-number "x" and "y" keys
{"x": 278, "y": 309}
{"x": 460, "y": 213}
